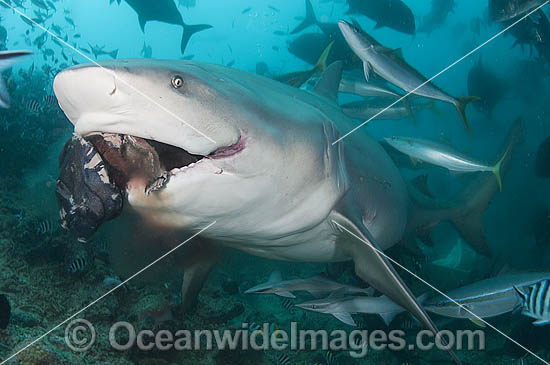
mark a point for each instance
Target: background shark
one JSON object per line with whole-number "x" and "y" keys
{"x": 164, "y": 11}
{"x": 268, "y": 172}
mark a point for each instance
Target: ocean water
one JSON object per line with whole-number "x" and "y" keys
{"x": 63, "y": 259}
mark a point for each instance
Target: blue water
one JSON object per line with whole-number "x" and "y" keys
{"x": 35, "y": 252}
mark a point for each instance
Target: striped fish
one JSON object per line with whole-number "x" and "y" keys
{"x": 330, "y": 358}
{"x": 288, "y": 305}
{"x": 50, "y": 100}
{"x": 46, "y": 227}
{"x": 536, "y": 303}
{"x": 33, "y": 106}
{"x": 78, "y": 265}
{"x": 407, "y": 324}
{"x": 283, "y": 359}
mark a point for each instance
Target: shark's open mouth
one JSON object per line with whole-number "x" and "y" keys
{"x": 98, "y": 170}
{"x": 133, "y": 158}
{"x": 129, "y": 158}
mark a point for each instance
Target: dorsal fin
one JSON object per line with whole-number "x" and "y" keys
{"x": 329, "y": 83}
{"x": 275, "y": 277}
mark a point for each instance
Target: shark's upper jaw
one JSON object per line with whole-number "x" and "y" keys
{"x": 130, "y": 98}
{"x": 102, "y": 103}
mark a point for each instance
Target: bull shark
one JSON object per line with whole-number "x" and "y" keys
{"x": 268, "y": 174}
{"x": 316, "y": 285}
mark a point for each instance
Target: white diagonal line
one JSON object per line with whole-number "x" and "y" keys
{"x": 107, "y": 70}
{"x": 107, "y": 293}
{"x": 440, "y": 292}
{"x": 442, "y": 71}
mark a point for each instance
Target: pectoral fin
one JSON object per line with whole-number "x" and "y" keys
{"x": 285, "y": 294}
{"x": 345, "y": 318}
{"x": 388, "y": 317}
{"x": 199, "y": 260}
{"x": 366, "y": 70}
{"x": 478, "y": 322}
{"x": 375, "y": 269}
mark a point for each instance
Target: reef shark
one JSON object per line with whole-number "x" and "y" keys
{"x": 316, "y": 286}
{"x": 257, "y": 157}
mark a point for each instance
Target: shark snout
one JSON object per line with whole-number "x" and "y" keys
{"x": 85, "y": 90}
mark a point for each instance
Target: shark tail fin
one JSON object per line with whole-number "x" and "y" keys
{"x": 310, "y": 19}
{"x": 114, "y": 54}
{"x": 188, "y": 31}
{"x": 461, "y": 104}
{"x": 7, "y": 58}
{"x": 321, "y": 65}
{"x": 478, "y": 195}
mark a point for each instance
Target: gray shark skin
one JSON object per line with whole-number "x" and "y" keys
{"x": 269, "y": 173}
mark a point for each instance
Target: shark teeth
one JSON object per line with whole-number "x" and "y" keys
{"x": 158, "y": 184}
{"x": 184, "y": 168}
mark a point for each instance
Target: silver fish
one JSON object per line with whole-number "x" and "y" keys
{"x": 486, "y": 298}
{"x": 443, "y": 156}
{"x": 355, "y": 83}
{"x": 391, "y": 66}
{"x": 371, "y": 108}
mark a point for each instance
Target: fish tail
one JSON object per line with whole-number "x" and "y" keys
{"x": 310, "y": 19}
{"x": 461, "y": 104}
{"x": 188, "y": 31}
{"x": 321, "y": 64}
{"x": 114, "y": 54}
{"x": 496, "y": 169}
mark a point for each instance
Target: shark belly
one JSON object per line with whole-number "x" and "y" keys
{"x": 315, "y": 245}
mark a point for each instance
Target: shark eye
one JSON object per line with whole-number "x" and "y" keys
{"x": 177, "y": 82}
